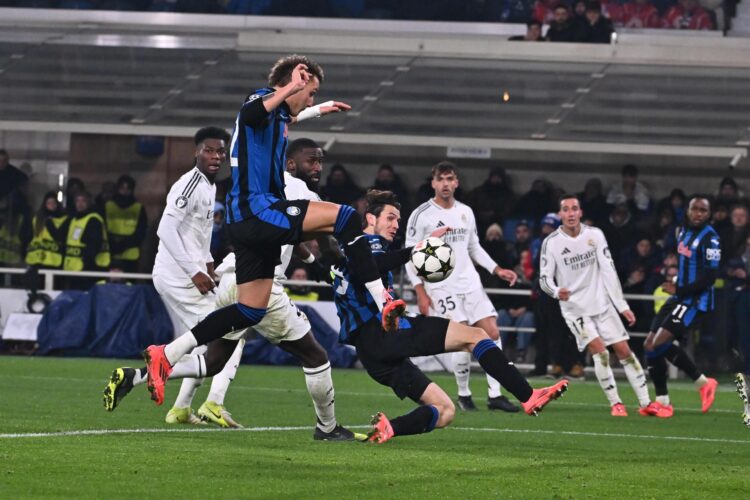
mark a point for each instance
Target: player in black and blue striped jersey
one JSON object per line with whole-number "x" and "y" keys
{"x": 691, "y": 298}
{"x": 385, "y": 355}
{"x": 260, "y": 220}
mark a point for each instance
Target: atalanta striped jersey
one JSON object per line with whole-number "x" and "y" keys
{"x": 257, "y": 157}
{"x": 699, "y": 252}
{"x": 354, "y": 304}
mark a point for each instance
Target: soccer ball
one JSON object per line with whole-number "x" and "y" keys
{"x": 433, "y": 259}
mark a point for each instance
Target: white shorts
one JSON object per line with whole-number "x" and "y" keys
{"x": 282, "y": 322}
{"x": 469, "y": 307}
{"x": 606, "y": 326}
{"x": 184, "y": 300}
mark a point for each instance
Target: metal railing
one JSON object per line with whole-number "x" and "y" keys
{"x": 117, "y": 276}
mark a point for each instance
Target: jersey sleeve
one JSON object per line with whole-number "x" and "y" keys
{"x": 179, "y": 205}
{"x": 547, "y": 269}
{"x": 712, "y": 251}
{"x": 253, "y": 112}
{"x": 608, "y": 273}
{"x": 179, "y": 201}
{"x": 414, "y": 234}
{"x": 478, "y": 254}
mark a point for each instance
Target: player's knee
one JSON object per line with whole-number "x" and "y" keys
{"x": 348, "y": 224}
{"x": 603, "y": 357}
{"x": 314, "y": 357}
{"x": 447, "y": 411}
{"x": 475, "y": 335}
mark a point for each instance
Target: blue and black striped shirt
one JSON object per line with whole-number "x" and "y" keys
{"x": 699, "y": 252}
{"x": 354, "y": 304}
{"x": 257, "y": 157}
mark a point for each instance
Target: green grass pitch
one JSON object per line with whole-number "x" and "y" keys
{"x": 573, "y": 450}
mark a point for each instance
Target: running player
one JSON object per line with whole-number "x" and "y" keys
{"x": 183, "y": 274}
{"x": 577, "y": 268}
{"x": 461, "y": 296}
{"x": 283, "y": 325}
{"x": 260, "y": 220}
{"x": 692, "y": 297}
{"x": 385, "y": 354}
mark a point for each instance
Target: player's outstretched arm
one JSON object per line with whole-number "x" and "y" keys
{"x": 322, "y": 109}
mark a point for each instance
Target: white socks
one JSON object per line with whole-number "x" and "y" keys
{"x": 190, "y": 365}
{"x": 320, "y": 386}
{"x": 179, "y": 347}
{"x": 220, "y": 382}
{"x": 493, "y": 386}
{"x": 637, "y": 378}
{"x": 663, "y": 400}
{"x": 462, "y": 370}
{"x": 700, "y": 381}
{"x": 606, "y": 377}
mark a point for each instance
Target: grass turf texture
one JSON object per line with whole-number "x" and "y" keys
{"x": 574, "y": 449}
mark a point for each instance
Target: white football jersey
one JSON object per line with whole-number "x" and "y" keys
{"x": 191, "y": 202}
{"x": 294, "y": 189}
{"x": 462, "y": 238}
{"x": 584, "y": 266}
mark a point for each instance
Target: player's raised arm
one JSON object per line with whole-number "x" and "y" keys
{"x": 322, "y": 109}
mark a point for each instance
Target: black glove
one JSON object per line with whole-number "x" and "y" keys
{"x": 320, "y": 272}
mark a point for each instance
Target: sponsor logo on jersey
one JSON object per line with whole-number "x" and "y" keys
{"x": 440, "y": 224}
{"x": 181, "y": 202}
{"x": 713, "y": 254}
{"x": 565, "y": 251}
{"x": 293, "y": 211}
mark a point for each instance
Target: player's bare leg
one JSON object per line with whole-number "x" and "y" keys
{"x": 460, "y": 337}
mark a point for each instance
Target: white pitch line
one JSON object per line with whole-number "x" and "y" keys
{"x": 104, "y": 432}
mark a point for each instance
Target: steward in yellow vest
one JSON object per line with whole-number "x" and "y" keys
{"x": 126, "y": 225}
{"x": 86, "y": 247}
{"x": 300, "y": 293}
{"x": 46, "y": 249}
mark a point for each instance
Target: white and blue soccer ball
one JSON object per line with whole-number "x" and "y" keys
{"x": 433, "y": 259}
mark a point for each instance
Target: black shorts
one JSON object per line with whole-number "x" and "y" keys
{"x": 257, "y": 241}
{"x": 676, "y": 318}
{"x": 385, "y": 355}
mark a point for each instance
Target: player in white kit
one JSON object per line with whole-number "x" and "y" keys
{"x": 183, "y": 274}
{"x": 460, "y": 297}
{"x": 283, "y": 325}
{"x": 577, "y": 268}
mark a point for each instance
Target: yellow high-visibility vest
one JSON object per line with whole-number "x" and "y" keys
{"x": 10, "y": 243}
{"x": 123, "y": 222}
{"x": 44, "y": 250}
{"x": 74, "y": 246}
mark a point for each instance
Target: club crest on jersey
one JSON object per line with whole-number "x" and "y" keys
{"x": 293, "y": 211}
{"x": 591, "y": 243}
{"x": 181, "y": 202}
